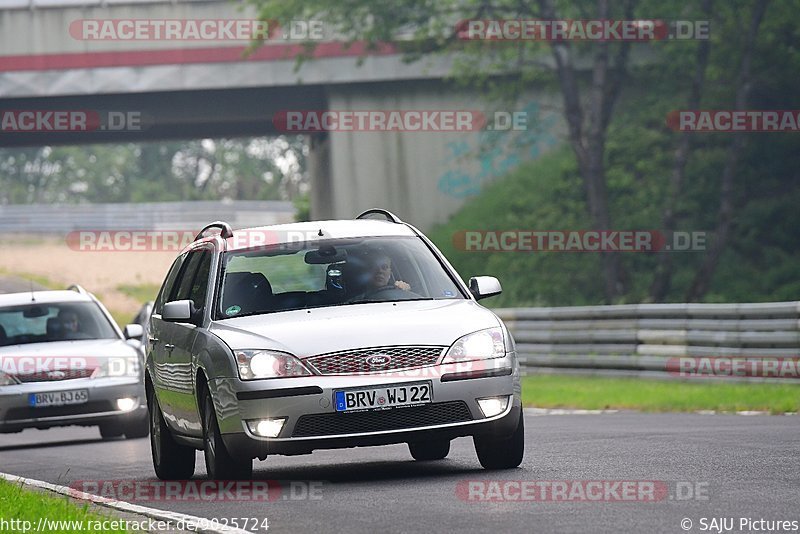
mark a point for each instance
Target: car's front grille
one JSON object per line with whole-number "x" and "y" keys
{"x": 53, "y": 376}
{"x": 331, "y": 424}
{"x": 15, "y": 414}
{"x": 369, "y": 360}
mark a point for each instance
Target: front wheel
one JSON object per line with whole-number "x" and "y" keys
{"x": 220, "y": 465}
{"x": 111, "y": 430}
{"x": 171, "y": 460}
{"x": 423, "y": 451}
{"x": 502, "y": 453}
{"x": 138, "y": 428}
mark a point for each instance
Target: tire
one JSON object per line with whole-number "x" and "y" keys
{"x": 505, "y": 453}
{"x": 171, "y": 460}
{"x": 424, "y": 451}
{"x": 220, "y": 465}
{"x": 138, "y": 428}
{"x": 111, "y": 430}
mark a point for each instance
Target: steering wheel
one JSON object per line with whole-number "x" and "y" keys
{"x": 400, "y": 294}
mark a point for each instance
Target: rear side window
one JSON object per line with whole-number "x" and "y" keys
{"x": 184, "y": 284}
{"x": 193, "y": 281}
{"x": 166, "y": 288}
{"x": 200, "y": 283}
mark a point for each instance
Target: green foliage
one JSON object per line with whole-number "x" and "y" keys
{"x": 760, "y": 264}
{"x": 302, "y": 206}
{"x": 548, "y": 194}
{"x": 541, "y": 195}
{"x": 239, "y": 169}
{"x": 62, "y": 515}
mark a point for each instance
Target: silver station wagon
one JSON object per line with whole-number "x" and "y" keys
{"x": 321, "y": 335}
{"x": 64, "y": 361}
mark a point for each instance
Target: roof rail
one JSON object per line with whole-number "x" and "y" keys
{"x": 386, "y": 214}
{"x": 225, "y": 230}
{"x": 78, "y": 289}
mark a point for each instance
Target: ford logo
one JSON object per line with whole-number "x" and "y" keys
{"x": 378, "y": 360}
{"x": 56, "y": 375}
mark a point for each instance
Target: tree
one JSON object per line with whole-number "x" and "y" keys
{"x": 591, "y": 77}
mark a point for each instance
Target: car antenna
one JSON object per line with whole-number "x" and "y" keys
{"x": 320, "y": 232}
{"x": 33, "y": 297}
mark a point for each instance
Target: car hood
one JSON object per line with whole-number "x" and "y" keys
{"x": 77, "y": 348}
{"x": 331, "y": 329}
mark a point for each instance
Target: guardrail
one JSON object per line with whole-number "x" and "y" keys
{"x": 646, "y": 339}
{"x": 192, "y": 215}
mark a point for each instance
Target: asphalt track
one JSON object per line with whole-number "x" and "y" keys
{"x": 742, "y": 467}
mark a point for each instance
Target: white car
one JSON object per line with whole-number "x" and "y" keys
{"x": 64, "y": 361}
{"x": 289, "y": 338}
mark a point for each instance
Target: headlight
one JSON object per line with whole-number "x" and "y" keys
{"x": 6, "y": 379}
{"x": 480, "y": 345}
{"x": 255, "y": 364}
{"x": 117, "y": 367}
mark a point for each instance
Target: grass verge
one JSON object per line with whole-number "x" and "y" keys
{"x": 60, "y": 513}
{"x": 141, "y": 293}
{"x": 597, "y": 393}
{"x": 42, "y": 281}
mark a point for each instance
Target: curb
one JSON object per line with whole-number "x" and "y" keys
{"x": 193, "y": 523}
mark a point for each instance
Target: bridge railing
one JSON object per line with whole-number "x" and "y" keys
{"x": 650, "y": 339}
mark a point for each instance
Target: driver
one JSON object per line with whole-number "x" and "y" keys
{"x": 381, "y": 275}
{"x": 70, "y": 326}
{"x": 376, "y": 281}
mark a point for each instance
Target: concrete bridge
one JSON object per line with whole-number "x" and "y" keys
{"x": 179, "y": 89}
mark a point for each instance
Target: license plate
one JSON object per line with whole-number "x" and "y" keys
{"x": 384, "y": 397}
{"x": 59, "y": 398}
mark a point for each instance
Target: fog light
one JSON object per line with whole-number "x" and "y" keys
{"x": 267, "y": 428}
{"x": 493, "y": 405}
{"x": 127, "y": 404}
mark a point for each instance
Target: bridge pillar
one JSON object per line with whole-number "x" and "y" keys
{"x": 319, "y": 170}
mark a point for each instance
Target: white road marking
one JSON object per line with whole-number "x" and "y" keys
{"x": 123, "y": 506}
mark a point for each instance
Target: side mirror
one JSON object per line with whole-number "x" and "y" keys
{"x": 484, "y": 286}
{"x": 178, "y": 311}
{"x": 133, "y": 331}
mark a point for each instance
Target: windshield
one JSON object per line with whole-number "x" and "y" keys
{"x": 331, "y": 273}
{"x": 60, "y": 321}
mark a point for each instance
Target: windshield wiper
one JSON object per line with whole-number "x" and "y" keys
{"x": 366, "y": 301}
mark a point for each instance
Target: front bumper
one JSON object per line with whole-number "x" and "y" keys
{"x": 313, "y": 423}
{"x": 16, "y": 413}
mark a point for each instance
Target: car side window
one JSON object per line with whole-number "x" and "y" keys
{"x": 169, "y": 283}
{"x": 185, "y": 280}
{"x": 199, "y": 287}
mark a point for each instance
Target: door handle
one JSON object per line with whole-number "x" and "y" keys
{"x": 169, "y": 347}
{"x": 152, "y": 340}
